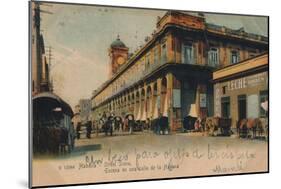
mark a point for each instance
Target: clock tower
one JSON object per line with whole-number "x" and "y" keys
{"x": 118, "y": 53}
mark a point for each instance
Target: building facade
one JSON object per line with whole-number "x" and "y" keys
{"x": 40, "y": 66}
{"x": 241, "y": 90}
{"x": 76, "y": 116}
{"x": 85, "y": 109}
{"x": 82, "y": 112}
{"x": 171, "y": 74}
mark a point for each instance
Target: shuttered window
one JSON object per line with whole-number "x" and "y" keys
{"x": 213, "y": 57}
{"x": 234, "y": 57}
{"x": 163, "y": 53}
{"x": 187, "y": 54}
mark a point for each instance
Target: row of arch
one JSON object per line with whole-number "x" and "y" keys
{"x": 144, "y": 102}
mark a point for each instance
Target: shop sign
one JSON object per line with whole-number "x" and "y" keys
{"x": 237, "y": 84}
{"x": 247, "y": 82}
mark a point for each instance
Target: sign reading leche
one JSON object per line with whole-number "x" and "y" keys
{"x": 247, "y": 82}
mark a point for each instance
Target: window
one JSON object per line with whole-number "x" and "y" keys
{"x": 213, "y": 57}
{"x": 156, "y": 55}
{"x": 225, "y": 107}
{"x": 263, "y": 103}
{"x": 163, "y": 53}
{"x": 234, "y": 57}
{"x": 147, "y": 61}
{"x": 187, "y": 54}
{"x": 224, "y": 89}
{"x": 142, "y": 65}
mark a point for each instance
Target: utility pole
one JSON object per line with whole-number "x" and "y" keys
{"x": 50, "y": 58}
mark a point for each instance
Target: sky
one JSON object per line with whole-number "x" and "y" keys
{"x": 80, "y": 36}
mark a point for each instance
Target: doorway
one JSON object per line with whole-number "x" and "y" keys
{"x": 225, "y": 107}
{"x": 242, "y": 107}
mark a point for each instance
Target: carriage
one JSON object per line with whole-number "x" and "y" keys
{"x": 53, "y": 131}
{"x": 188, "y": 123}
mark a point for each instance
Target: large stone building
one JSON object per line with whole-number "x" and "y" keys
{"x": 171, "y": 74}
{"x": 76, "y": 119}
{"x": 85, "y": 109}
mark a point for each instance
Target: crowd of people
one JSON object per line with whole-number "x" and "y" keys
{"x": 109, "y": 123}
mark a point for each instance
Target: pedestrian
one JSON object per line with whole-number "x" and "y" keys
{"x": 89, "y": 129}
{"x": 111, "y": 124}
{"x": 131, "y": 122}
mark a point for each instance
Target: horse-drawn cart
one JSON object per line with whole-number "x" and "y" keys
{"x": 215, "y": 126}
{"x": 225, "y": 126}
{"x": 53, "y": 131}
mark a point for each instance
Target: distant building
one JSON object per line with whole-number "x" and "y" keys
{"x": 171, "y": 73}
{"x": 241, "y": 89}
{"x": 85, "y": 109}
{"x": 76, "y": 117}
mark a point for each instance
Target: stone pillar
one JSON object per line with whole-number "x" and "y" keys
{"x": 132, "y": 103}
{"x": 158, "y": 98}
{"x": 169, "y": 97}
{"x": 143, "y": 103}
{"x": 154, "y": 100}
{"x": 137, "y": 103}
{"x": 149, "y": 101}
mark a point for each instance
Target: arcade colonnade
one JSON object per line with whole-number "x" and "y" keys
{"x": 149, "y": 100}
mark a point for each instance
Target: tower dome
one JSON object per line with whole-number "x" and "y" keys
{"x": 118, "y": 43}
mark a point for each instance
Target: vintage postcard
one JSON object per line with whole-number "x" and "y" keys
{"x": 122, "y": 94}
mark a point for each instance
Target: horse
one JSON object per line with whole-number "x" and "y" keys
{"x": 211, "y": 125}
{"x": 202, "y": 123}
{"x": 242, "y": 129}
{"x": 253, "y": 125}
{"x": 262, "y": 127}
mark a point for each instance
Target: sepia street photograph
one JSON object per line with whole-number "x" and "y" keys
{"x": 123, "y": 94}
